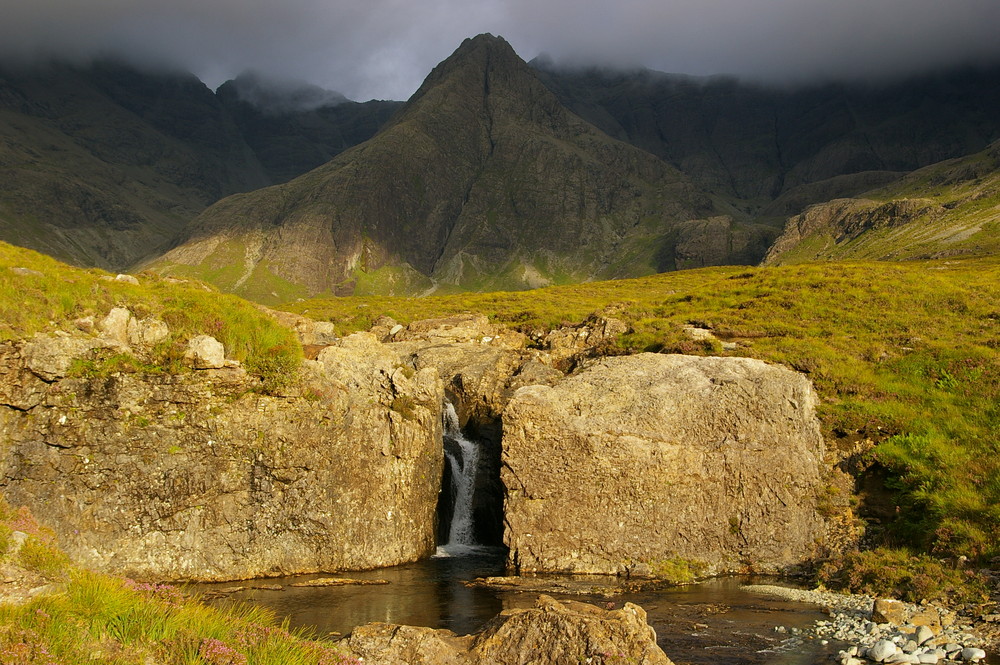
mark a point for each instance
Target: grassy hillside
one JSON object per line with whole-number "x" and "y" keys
{"x": 38, "y": 293}
{"x": 948, "y": 209}
{"x": 904, "y": 354}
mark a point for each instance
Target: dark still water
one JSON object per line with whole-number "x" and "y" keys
{"x": 713, "y": 622}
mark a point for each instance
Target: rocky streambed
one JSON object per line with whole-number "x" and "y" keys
{"x": 714, "y": 622}
{"x": 886, "y": 631}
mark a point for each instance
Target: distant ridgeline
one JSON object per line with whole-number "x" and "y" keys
{"x": 496, "y": 174}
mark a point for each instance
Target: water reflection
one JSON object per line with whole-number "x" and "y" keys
{"x": 427, "y": 593}
{"x": 713, "y": 622}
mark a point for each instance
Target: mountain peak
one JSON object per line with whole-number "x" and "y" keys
{"x": 484, "y": 40}
{"x": 484, "y": 47}
{"x": 483, "y": 180}
{"x": 482, "y": 53}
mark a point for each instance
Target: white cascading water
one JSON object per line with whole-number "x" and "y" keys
{"x": 463, "y": 478}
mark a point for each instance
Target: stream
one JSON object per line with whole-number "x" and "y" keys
{"x": 708, "y": 623}
{"x": 714, "y": 622}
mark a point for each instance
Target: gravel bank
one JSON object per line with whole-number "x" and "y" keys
{"x": 895, "y": 632}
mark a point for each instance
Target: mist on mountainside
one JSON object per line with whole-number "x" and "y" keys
{"x": 273, "y": 96}
{"x": 382, "y": 49}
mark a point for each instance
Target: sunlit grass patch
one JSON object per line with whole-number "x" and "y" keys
{"x": 38, "y": 294}
{"x": 101, "y": 618}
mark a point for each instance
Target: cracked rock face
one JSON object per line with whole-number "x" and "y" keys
{"x": 193, "y": 476}
{"x": 637, "y": 460}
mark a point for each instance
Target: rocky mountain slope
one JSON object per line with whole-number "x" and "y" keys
{"x": 295, "y": 128}
{"x": 772, "y": 150}
{"x": 487, "y": 179}
{"x": 103, "y": 164}
{"x": 483, "y": 181}
{"x": 947, "y": 209}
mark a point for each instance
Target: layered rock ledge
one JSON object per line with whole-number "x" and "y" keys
{"x": 551, "y": 633}
{"x": 196, "y": 476}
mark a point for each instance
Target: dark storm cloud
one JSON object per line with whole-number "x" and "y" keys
{"x": 383, "y": 48}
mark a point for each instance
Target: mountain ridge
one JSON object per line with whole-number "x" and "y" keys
{"x": 104, "y": 164}
{"x": 483, "y": 180}
{"x": 764, "y": 141}
{"x": 492, "y": 185}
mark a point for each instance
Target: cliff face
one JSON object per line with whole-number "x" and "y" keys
{"x": 192, "y": 476}
{"x": 944, "y": 210}
{"x": 618, "y": 467}
{"x": 635, "y": 461}
{"x": 762, "y": 145}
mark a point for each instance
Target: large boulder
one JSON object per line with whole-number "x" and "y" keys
{"x": 51, "y": 355}
{"x": 196, "y": 476}
{"x": 636, "y": 462}
{"x": 551, "y": 633}
{"x": 554, "y": 632}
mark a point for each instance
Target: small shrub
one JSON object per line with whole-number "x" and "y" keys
{"x": 677, "y": 570}
{"x": 405, "y": 406}
{"x": 217, "y": 652}
{"x": 901, "y": 574}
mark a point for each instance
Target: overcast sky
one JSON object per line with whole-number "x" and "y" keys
{"x": 384, "y": 48}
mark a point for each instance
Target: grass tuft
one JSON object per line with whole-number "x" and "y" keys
{"x": 101, "y": 618}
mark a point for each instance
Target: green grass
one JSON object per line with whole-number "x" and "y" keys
{"x": 960, "y": 204}
{"x": 58, "y": 294}
{"x": 101, "y": 618}
{"x": 903, "y": 354}
{"x": 900, "y": 574}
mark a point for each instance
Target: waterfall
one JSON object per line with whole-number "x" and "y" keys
{"x": 464, "y": 462}
{"x": 462, "y": 456}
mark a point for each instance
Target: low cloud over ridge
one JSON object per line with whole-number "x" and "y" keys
{"x": 384, "y": 48}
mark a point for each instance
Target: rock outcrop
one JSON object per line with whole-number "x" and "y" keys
{"x": 551, "y": 633}
{"x": 634, "y": 462}
{"x": 196, "y": 476}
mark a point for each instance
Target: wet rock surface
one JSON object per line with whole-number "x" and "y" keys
{"x": 590, "y": 585}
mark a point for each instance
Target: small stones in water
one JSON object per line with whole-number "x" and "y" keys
{"x": 972, "y": 654}
{"x": 922, "y": 634}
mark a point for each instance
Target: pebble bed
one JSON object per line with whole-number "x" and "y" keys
{"x": 851, "y": 622}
